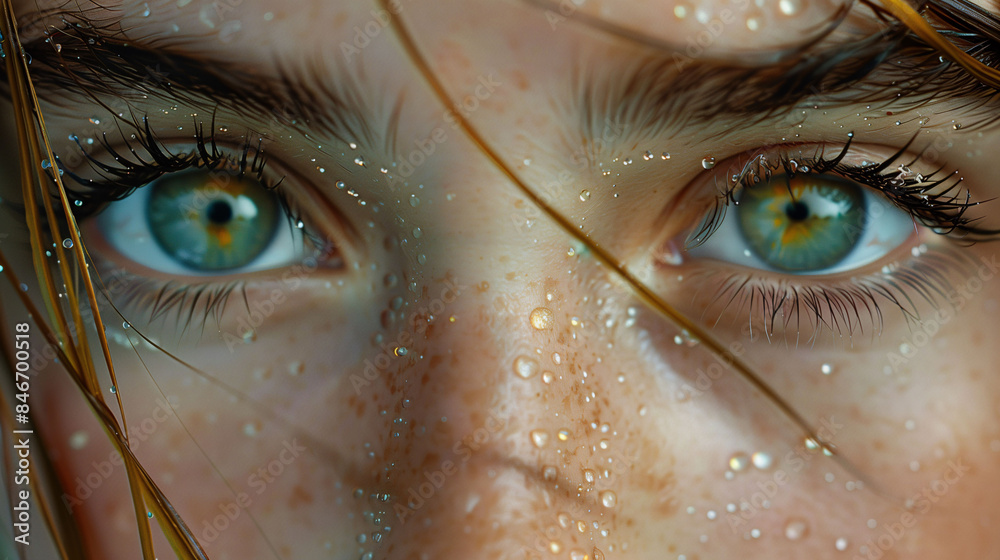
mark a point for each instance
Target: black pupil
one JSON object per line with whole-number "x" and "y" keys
{"x": 796, "y": 211}
{"x": 220, "y": 212}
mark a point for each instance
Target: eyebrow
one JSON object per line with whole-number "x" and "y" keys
{"x": 654, "y": 98}
{"x": 98, "y": 63}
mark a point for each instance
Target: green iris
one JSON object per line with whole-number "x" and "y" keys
{"x": 807, "y": 223}
{"x": 210, "y": 222}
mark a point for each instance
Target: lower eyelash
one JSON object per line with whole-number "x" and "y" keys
{"x": 848, "y": 309}
{"x": 190, "y": 306}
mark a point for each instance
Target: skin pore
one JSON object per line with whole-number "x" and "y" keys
{"x": 463, "y": 378}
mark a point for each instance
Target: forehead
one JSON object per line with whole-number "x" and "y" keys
{"x": 695, "y": 27}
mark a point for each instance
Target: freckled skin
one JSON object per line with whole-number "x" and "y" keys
{"x": 342, "y": 444}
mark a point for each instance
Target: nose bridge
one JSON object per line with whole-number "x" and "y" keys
{"x": 504, "y": 431}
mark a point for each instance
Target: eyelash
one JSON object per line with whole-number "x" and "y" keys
{"x": 942, "y": 211}
{"x": 843, "y": 307}
{"x": 193, "y": 304}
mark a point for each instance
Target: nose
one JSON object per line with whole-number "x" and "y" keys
{"x": 505, "y": 437}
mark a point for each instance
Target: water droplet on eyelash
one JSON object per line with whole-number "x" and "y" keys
{"x": 584, "y": 196}
{"x": 541, "y": 318}
{"x": 841, "y": 544}
{"x": 827, "y": 369}
{"x": 761, "y": 460}
{"x": 113, "y": 389}
{"x": 609, "y": 499}
{"x": 67, "y": 243}
{"x": 708, "y": 162}
{"x": 539, "y": 438}
{"x": 46, "y": 164}
{"x": 126, "y": 325}
{"x": 299, "y": 224}
{"x": 796, "y": 528}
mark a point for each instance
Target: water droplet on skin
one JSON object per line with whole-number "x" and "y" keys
{"x": 414, "y": 201}
{"x": 359, "y": 161}
{"x": 648, "y": 155}
{"x": 422, "y": 258}
{"x": 584, "y": 196}
{"x": 563, "y": 434}
{"x": 796, "y": 529}
{"x": 95, "y": 120}
{"x": 125, "y": 325}
{"x": 789, "y": 7}
{"x": 79, "y": 440}
{"x": 77, "y": 203}
{"x": 708, "y": 162}
{"x": 542, "y": 318}
{"x": 400, "y": 351}
{"x": 761, "y": 460}
{"x": 67, "y": 243}
{"x": 555, "y": 547}
{"x": 739, "y": 461}
{"x": 550, "y": 473}
{"x": 598, "y": 554}
{"x": 577, "y": 554}
{"x": 753, "y": 24}
{"x": 113, "y": 389}
{"x": 589, "y": 475}
{"x": 609, "y": 499}
{"x": 525, "y": 367}
{"x": 827, "y": 369}
{"x": 841, "y": 544}
{"x": 711, "y": 515}
{"x": 556, "y": 358}
{"x": 564, "y": 520}
{"x": 539, "y": 438}
{"x": 547, "y": 377}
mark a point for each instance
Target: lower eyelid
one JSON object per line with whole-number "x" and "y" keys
{"x": 918, "y": 275}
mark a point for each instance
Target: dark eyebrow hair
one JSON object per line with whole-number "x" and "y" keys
{"x": 661, "y": 93}
{"x": 99, "y": 62}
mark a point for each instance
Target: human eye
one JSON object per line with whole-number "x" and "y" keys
{"x": 823, "y": 235}
{"x": 200, "y": 213}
